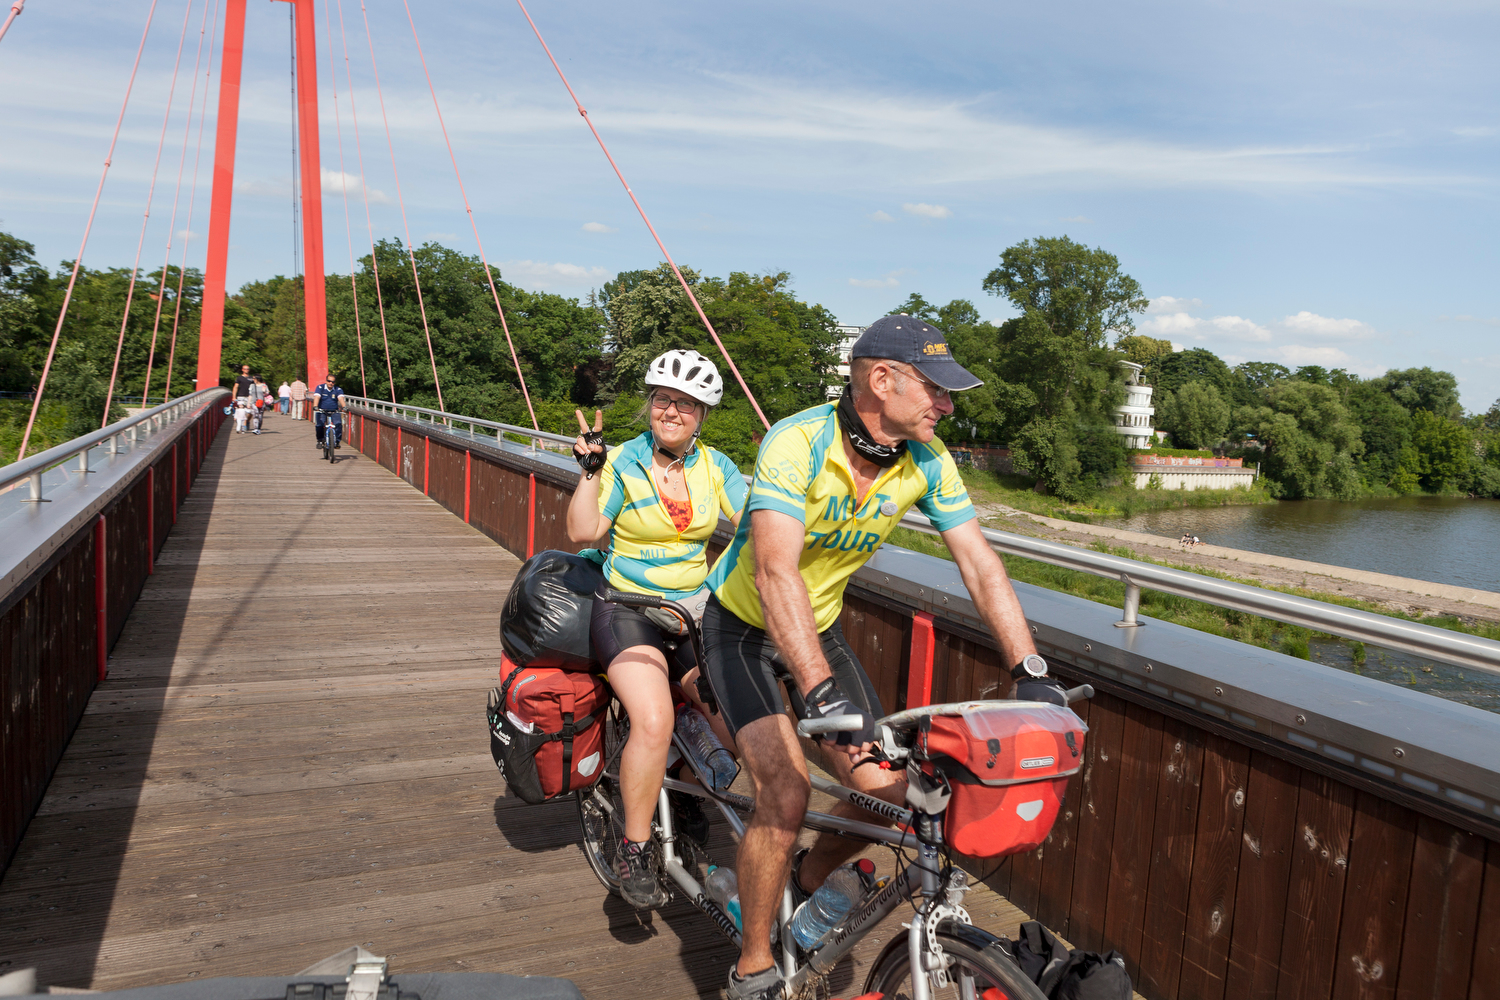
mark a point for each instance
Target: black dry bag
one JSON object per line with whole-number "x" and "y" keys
{"x": 545, "y": 620}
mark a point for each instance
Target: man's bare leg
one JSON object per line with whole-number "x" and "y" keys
{"x": 830, "y": 850}
{"x": 770, "y": 750}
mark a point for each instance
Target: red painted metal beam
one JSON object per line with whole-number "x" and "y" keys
{"x": 923, "y": 648}
{"x": 211, "y": 326}
{"x": 101, "y": 596}
{"x": 151, "y": 520}
{"x": 426, "y": 463}
{"x": 315, "y": 296}
{"x": 531, "y": 518}
{"x": 468, "y": 466}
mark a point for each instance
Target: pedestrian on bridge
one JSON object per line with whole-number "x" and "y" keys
{"x": 298, "y": 396}
{"x": 243, "y": 384}
{"x": 284, "y": 397}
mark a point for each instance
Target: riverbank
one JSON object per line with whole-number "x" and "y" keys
{"x": 1399, "y": 595}
{"x": 1016, "y": 491}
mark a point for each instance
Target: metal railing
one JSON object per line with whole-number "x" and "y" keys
{"x": 1438, "y": 644}
{"x": 115, "y": 438}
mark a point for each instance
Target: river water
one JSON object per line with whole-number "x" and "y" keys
{"x": 1440, "y": 539}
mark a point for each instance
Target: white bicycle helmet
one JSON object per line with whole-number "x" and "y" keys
{"x": 690, "y": 372}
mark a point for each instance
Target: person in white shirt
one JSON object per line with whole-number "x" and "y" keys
{"x": 284, "y": 397}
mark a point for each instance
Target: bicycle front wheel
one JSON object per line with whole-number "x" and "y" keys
{"x": 977, "y": 967}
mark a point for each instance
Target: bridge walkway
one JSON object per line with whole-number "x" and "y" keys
{"x": 288, "y": 758}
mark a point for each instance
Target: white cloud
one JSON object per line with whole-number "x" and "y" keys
{"x": 439, "y": 237}
{"x": 927, "y": 211}
{"x": 889, "y": 281}
{"x": 1476, "y": 131}
{"x": 337, "y": 182}
{"x": 598, "y": 227}
{"x": 1167, "y": 303}
{"x": 1311, "y": 324}
{"x": 1296, "y": 355}
{"x": 881, "y": 217}
{"x": 1078, "y": 218}
{"x": 540, "y": 275}
{"x": 1242, "y": 329}
{"x": 1486, "y": 321}
{"x": 188, "y": 234}
{"x": 1161, "y": 326}
{"x": 254, "y": 187}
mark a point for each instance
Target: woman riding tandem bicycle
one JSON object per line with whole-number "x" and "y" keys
{"x": 658, "y": 498}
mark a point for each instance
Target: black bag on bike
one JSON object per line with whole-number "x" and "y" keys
{"x": 545, "y": 619}
{"x": 1064, "y": 974}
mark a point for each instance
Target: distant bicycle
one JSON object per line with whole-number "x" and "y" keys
{"x": 330, "y": 430}
{"x": 942, "y": 954}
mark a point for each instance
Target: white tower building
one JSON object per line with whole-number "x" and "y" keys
{"x": 1133, "y": 417}
{"x": 847, "y": 336}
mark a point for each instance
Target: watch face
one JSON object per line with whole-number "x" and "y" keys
{"x": 1035, "y": 665}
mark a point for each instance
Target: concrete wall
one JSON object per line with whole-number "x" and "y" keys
{"x": 1187, "y": 478}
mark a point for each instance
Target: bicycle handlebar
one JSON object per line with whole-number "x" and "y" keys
{"x": 625, "y": 597}
{"x": 814, "y": 727}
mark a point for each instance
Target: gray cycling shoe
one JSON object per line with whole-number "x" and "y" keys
{"x": 766, "y": 985}
{"x": 638, "y": 882}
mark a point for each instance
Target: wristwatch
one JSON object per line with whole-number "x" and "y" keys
{"x": 1031, "y": 666}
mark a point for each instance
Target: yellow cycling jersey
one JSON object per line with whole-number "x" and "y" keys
{"x": 647, "y": 554}
{"x": 802, "y": 470}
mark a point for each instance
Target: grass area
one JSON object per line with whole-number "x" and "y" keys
{"x": 1263, "y": 632}
{"x": 1118, "y": 501}
{"x": 48, "y": 433}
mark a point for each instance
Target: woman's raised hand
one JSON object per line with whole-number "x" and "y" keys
{"x": 589, "y": 448}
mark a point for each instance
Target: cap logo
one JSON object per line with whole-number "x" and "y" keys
{"x": 931, "y": 348}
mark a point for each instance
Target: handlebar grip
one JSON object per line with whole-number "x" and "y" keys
{"x": 612, "y": 596}
{"x": 1082, "y": 691}
{"x": 838, "y": 724}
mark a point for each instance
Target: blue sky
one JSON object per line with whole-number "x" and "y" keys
{"x": 1303, "y": 182}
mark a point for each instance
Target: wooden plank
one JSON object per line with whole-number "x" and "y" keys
{"x": 1442, "y": 912}
{"x": 1096, "y": 821}
{"x": 1484, "y": 976}
{"x": 1375, "y": 900}
{"x": 1216, "y": 868}
{"x": 1060, "y": 851}
{"x": 1174, "y": 832}
{"x": 1131, "y": 850}
{"x": 1315, "y": 892}
{"x": 1260, "y": 899}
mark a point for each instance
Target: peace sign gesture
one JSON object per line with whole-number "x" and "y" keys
{"x": 589, "y": 448}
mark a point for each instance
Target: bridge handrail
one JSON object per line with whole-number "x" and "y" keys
{"x": 449, "y": 419}
{"x": 31, "y": 469}
{"x": 1439, "y": 644}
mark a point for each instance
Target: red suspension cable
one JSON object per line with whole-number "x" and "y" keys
{"x": 15, "y": 12}
{"x": 364, "y": 191}
{"x": 146, "y": 219}
{"x": 161, "y": 291}
{"x": 472, "y": 224}
{"x": 660, "y": 245}
{"x": 213, "y": 35}
{"x": 364, "y": 388}
{"x": 62, "y": 314}
{"x": 410, "y": 253}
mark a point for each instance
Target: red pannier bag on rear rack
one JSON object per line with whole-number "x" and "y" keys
{"x": 546, "y": 731}
{"x": 1008, "y": 766}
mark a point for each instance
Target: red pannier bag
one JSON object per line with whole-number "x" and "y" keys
{"x": 546, "y": 731}
{"x": 1008, "y": 766}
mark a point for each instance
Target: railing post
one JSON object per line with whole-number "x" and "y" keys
{"x": 101, "y": 596}
{"x": 150, "y": 520}
{"x": 83, "y": 462}
{"x": 174, "y": 483}
{"x": 1132, "y": 603}
{"x": 468, "y": 466}
{"x": 531, "y": 518}
{"x": 35, "y": 482}
{"x": 426, "y": 462}
{"x": 400, "y": 455}
{"x": 923, "y": 648}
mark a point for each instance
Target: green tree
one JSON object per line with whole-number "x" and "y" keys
{"x": 1196, "y": 415}
{"x": 1443, "y": 452}
{"x": 1196, "y": 364}
{"x": 82, "y": 382}
{"x": 20, "y": 277}
{"x": 1423, "y": 389}
{"x": 1055, "y": 379}
{"x": 1308, "y": 439}
{"x": 1143, "y": 350}
{"x": 1385, "y": 428}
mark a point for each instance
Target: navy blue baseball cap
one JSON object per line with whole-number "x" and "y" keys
{"x": 909, "y": 340}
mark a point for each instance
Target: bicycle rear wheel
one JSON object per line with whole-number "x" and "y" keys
{"x": 601, "y": 810}
{"x": 971, "y": 955}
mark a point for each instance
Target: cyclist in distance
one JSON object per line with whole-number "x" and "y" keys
{"x": 830, "y": 484}
{"x": 656, "y": 499}
{"x": 328, "y": 400}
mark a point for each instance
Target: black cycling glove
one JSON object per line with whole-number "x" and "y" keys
{"x": 826, "y": 701}
{"x": 1041, "y": 689}
{"x": 591, "y": 460}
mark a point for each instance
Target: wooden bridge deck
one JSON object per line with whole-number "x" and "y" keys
{"x": 288, "y": 758}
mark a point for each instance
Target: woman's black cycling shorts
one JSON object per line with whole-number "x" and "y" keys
{"x": 615, "y": 629}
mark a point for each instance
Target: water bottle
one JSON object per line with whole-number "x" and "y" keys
{"x": 838, "y": 894}
{"x": 723, "y": 888}
{"x": 713, "y": 761}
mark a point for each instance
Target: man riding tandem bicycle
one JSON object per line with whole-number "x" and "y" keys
{"x": 982, "y": 778}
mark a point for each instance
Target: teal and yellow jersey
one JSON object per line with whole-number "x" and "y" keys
{"x": 802, "y": 470}
{"x": 647, "y": 554}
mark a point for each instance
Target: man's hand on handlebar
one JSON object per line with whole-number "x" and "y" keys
{"x": 857, "y": 733}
